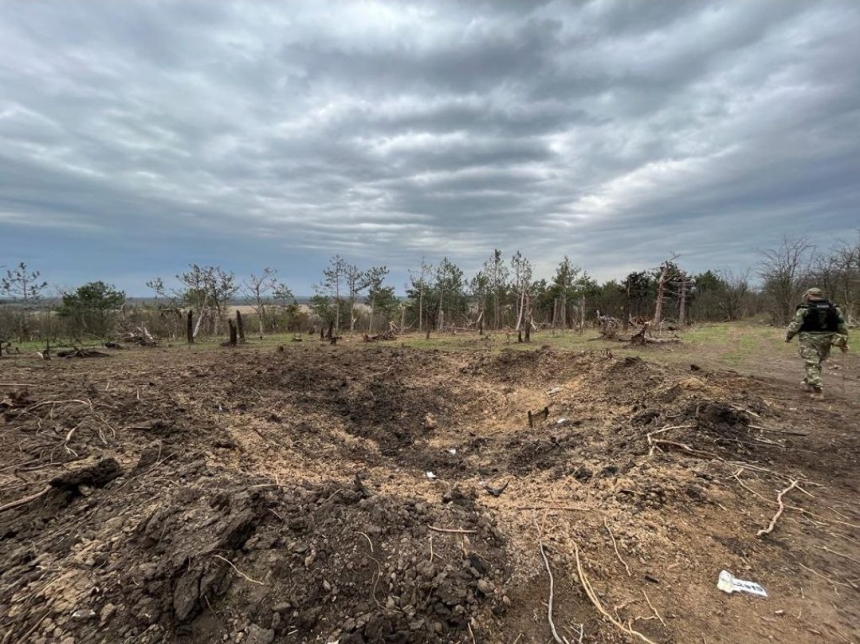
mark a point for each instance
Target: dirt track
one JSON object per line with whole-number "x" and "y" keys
{"x": 239, "y": 514}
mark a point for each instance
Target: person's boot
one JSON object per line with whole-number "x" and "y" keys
{"x": 816, "y": 393}
{"x": 805, "y": 386}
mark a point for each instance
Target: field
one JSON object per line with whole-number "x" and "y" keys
{"x": 282, "y": 492}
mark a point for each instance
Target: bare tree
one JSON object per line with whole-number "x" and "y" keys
{"x": 210, "y": 290}
{"x": 734, "y": 295}
{"x": 419, "y": 283}
{"x": 259, "y": 288}
{"x": 356, "y": 282}
{"x": 375, "y": 276}
{"x": 497, "y": 273}
{"x": 332, "y": 285}
{"x": 522, "y": 280}
{"x": 668, "y": 271}
{"x": 24, "y": 286}
{"x": 838, "y": 273}
{"x": 784, "y": 272}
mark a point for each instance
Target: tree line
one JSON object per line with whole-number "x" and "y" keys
{"x": 503, "y": 293}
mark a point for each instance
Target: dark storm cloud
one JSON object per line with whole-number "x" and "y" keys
{"x": 136, "y": 137}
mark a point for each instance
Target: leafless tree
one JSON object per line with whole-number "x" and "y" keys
{"x": 259, "y": 288}
{"x": 356, "y": 282}
{"x": 333, "y": 285}
{"x": 209, "y": 289}
{"x": 419, "y": 283}
{"x": 734, "y": 296}
{"x": 522, "y": 280}
{"x": 784, "y": 272}
{"x": 668, "y": 272}
{"x": 838, "y": 273}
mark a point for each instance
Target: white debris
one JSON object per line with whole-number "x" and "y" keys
{"x": 730, "y": 584}
{"x": 561, "y": 421}
{"x": 430, "y": 476}
{"x": 452, "y": 451}
{"x": 554, "y": 390}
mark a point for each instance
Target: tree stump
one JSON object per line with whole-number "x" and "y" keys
{"x": 240, "y": 327}
{"x": 233, "y": 338}
{"x": 189, "y": 328}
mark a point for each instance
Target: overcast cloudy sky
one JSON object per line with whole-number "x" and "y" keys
{"x": 136, "y": 137}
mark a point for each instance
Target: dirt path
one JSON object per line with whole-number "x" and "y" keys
{"x": 285, "y": 496}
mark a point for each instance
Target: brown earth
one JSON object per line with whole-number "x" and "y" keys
{"x": 257, "y": 496}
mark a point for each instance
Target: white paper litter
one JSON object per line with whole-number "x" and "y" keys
{"x": 730, "y": 584}
{"x": 430, "y": 476}
{"x": 452, "y": 451}
{"x": 554, "y": 390}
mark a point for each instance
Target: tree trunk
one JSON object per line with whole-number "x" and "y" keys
{"x": 189, "y": 328}
{"x": 421, "y": 305}
{"x": 682, "y": 313}
{"x": 528, "y": 320}
{"x": 370, "y": 324}
{"x": 233, "y": 341}
{"x": 521, "y": 306}
{"x": 441, "y": 312}
{"x": 402, "y": 318}
{"x": 661, "y": 291}
{"x": 200, "y": 321}
{"x": 582, "y": 314}
{"x": 240, "y": 327}
{"x": 564, "y": 311}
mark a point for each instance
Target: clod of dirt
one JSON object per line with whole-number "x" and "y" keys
{"x": 96, "y": 475}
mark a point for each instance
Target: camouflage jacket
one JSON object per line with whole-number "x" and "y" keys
{"x": 799, "y": 317}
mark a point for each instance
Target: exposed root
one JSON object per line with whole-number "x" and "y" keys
{"x": 25, "y": 500}
{"x": 779, "y": 512}
{"x": 239, "y": 572}
{"x": 450, "y": 530}
{"x": 592, "y": 596}
{"x": 654, "y": 610}
{"x": 370, "y": 543}
{"x": 615, "y": 546}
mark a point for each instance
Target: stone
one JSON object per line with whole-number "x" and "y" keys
{"x": 258, "y": 635}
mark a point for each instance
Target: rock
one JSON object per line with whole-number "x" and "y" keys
{"x": 83, "y": 614}
{"x": 258, "y": 635}
{"x": 486, "y": 587}
{"x": 308, "y": 619}
{"x": 107, "y": 612}
{"x": 309, "y": 560}
{"x": 185, "y": 595}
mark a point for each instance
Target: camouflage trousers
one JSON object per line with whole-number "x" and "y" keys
{"x": 814, "y": 349}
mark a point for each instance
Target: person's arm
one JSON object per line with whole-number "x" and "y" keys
{"x": 794, "y": 326}
{"x": 842, "y": 331}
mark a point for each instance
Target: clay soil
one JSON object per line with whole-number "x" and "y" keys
{"x": 263, "y": 496}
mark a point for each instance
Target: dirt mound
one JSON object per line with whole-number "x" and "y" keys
{"x": 386, "y": 494}
{"x": 181, "y": 560}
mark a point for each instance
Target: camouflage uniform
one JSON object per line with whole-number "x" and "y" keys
{"x": 820, "y": 325}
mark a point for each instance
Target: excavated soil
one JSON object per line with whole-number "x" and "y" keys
{"x": 385, "y": 494}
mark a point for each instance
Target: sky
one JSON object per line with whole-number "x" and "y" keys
{"x": 139, "y": 137}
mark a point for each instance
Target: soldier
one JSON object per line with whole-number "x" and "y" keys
{"x": 820, "y": 325}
